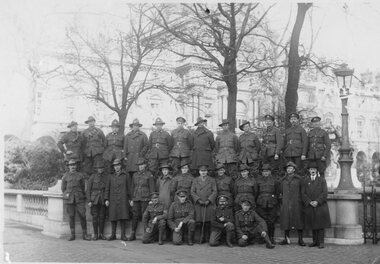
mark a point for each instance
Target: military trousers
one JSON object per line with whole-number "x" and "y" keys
{"x": 216, "y": 233}
{"x": 90, "y": 161}
{"x": 159, "y": 227}
{"x": 98, "y": 212}
{"x": 178, "y": 236}
{"x": 138, "y": 210}
{"x": 274, "y": 164}
{"x": 154, "y": 165}
{"x": 76, "y": 207}
{"x": 252, "y": 233}
{"x": 176, "y": 162}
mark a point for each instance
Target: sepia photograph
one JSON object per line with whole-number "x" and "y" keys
{"x": 190, "y": 132}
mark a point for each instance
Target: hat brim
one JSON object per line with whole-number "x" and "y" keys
{"x": 88, "y": 121}
{"x": 181, "y": 119}
{"x": 166, "y": 167}
{"x": 69, "y": 126}
{"x": 160, "y": 123}
{"x": 242, "y": 125}
{"x": 197, "y": 123}
{"x": 226, "y": 123}
{"x": 131, "y": 125}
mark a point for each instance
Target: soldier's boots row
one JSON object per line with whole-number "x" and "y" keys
{"x": 286, "y": 240}
{"x": 318, "y": 239}
{"x": 84, "y": 229}
{"x": 268, "y": 242}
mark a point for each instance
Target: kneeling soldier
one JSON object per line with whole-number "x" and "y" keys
{"x": 95, "y": 197}
{"x": 249, "y": 224}
{"x": 74, "y": 197}
{"x": 154, "y": 220}
{"x": 181, "y": 216}
{"x": 222, "y": 220}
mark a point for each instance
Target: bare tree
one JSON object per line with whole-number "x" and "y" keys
{"x": 228, "y": 37}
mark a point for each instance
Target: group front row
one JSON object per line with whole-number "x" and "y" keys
{"x": 247, "y": 213}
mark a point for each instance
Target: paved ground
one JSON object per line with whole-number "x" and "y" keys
{"x": 25, "y": 244}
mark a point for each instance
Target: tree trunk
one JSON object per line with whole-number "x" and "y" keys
{"x": 294, "y": 62}
{"x": 122, "y": 117}
{"x": 231, "y": 103}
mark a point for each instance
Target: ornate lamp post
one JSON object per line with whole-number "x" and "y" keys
{"x": 344, "y": 78}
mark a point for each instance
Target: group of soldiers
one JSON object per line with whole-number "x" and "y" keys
{"x": 186, "y": 181}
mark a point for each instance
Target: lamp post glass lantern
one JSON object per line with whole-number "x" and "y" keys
{"x": 344, "y": 79}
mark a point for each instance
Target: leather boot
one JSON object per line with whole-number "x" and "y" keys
{"x": 161, "y": 232}
{"x": 122, "y": 227}
{"x": 190, "y": 235}
{"x": 271, "y": 233}
{"x": 134, "y": 228}
{"x": 72, "y": 228}
{"x": 228, "y": 239}
{"x": 321, "y": 238}
{"x": 95, "y": 227}
{"x": 101, "y": 230}
{"x": 113, "y": 235}
{"x": 207, "y": 231}
{"x": 315, "y": 239}
{"x": 286, "y": 240}
{"x": 84, "y": 229}
{"x": 268, "y": 242}
{"x": 300, "y": 238}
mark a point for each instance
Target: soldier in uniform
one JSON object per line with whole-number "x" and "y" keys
{"x": 204, "y": 192}
{"x": 249, "y": 224}
{"x": 224, "y": 183}
{"x": 226, "y": 148}
{"x": 182, "y": 145}
{"x": 291, "y": 213}
{"x": 267, "y": 199}
{"x": 295, "y": 142}
{"x": 245, "y": 187}
{"x": 164, "y": 186}
{"x": 96, "y": 189}
{"x": 272, "y": 145}
{"x": 74, "y": 197}
{"x": 249, "y": 145}
{"x": 222, "y": 221}
{"x": 203, "y": 146}
{"x": 184, "y": 180}
{"x": 135, "y": 146}
{"x": 94, "y": 142}
{"x": 181, "y": 218}
{"x": 154, "y": 220}
{"x": 159, "y": 146}
{"x": 319, "y": 145}
{"x": 314, "y": 196}
{"x": 117, "y": 197}
{"x": 114, "y": 145}
{"x": 71, "y": 144}
{"x": 141, "y": 188}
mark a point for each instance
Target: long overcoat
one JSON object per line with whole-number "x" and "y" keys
{"x": 135, "y": 146}
{"x": 249, "y": 145}
{"x": 204, "y": 190}
{"x": 291, "y": 213}
{"x": 118, "y": 195}
{"x": 315, "y": 217}
{"x": 203, "y": 146}
{"x": 114, "y": 146}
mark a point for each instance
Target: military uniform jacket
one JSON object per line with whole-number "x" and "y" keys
{"x": 203, "y": 146}
{"x": 135, "y": 146}
{"x": 319, "y": 144}
{"x": 114, "y": 146}
{"x": 268, "y": 192}
{"x": 166, "y": 191}
{"x": 117, "y": 192}
{"x": 154, "y": 210}
{"x": 245, "y": 188}
{"x": 96, "y": 188}
{"x": 160, "y": 144}
{"x": 247, "y": 222}
{"x": 272, "y": 142}
{"x": 295, "y": 141}
{"x": 315, "y": 217}
{"x": 203, "y": 190}
{"x": 225, "y": 185}
{"x": 180, "y": 213}
{"x": 250, "y": 147}
{"x": 226, "y": 212}
{"x": 183, "y": 181}
{"x": 94, "y": 141}
{"x": 74, "y": 142}
{"x": 226, "y": 147}
{"x": 291, "y": 213}
{"x": 73, "y": 187}
{"x": 142, "y": 185}
{"x": 182, "y": 143}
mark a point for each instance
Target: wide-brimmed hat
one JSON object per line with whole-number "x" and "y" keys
{"x": 296, "y": 115}
{"x": 159, "y": 122}
{"x": 135, "y": 122}
{"x": 266, "y": 167}
{"x": 199, "y": 120}
{"x": 180, "y": 119}
{"x": 245, "y": 201}
{"x": 116, "y": 162}
{"x": 270, "y": 117}
{"x": 72, "y": 123}
{"x": 115, "y": 123}
{"x": 140, "y": 161}
{"x": 219, "y": 166}
{"x": 291, "y": 164}
{"x": 243, "y": 124}
{"x": 165, "y": 165}
{"x": 72, "y": 161}
{"x": 243, "y": 167}
{"x": 316, "y": 119}
{"x": 224, "y": 122}
{"x": 154, "y": 195}
{"x": 183, "y": 163}
{"x": 203, "y": 167}
{"x": 181, "y": 193}
{"x": 89, "y": 119}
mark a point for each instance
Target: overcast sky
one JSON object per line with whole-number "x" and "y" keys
{"x": 343, "y": 30}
